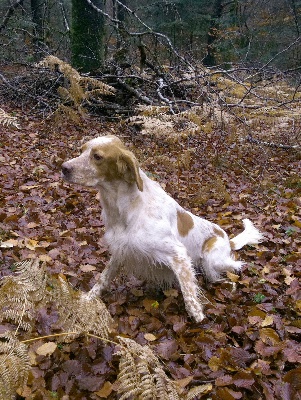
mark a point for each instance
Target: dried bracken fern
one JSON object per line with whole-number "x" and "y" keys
{"x": 194, "y": 393}
{"x": 89, "y": 84}
{"x": 22, "y": 293}
{"x": 141, "y": 375}
{"x": 14, "y": 366}
{"x": 78, "y": 88}
{"x": 79, "y": 314}
{"x": 8, "y": 120}
{"x": 161, "y": 125}
{"x": 21, "y": 296}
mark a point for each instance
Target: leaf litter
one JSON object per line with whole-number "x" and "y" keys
{"x": 249, "y": 344}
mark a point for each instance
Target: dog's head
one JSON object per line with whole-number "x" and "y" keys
{"x": 103, "y": 159}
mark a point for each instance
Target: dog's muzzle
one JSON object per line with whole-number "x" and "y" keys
{"x": 66, "y": 172}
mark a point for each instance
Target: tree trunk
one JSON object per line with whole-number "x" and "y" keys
{"x": 213, "y": 33}
{"x": 38, "y": 18}
{"x": 87, "y": 36}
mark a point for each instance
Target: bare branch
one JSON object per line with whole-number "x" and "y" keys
{"x": 10, "y": 12}
{"x": 64, "y": 15}
{"x": 272, "y": 144}
{"x": 275, "y": 56}
{"x": 149, "y": 30}
{"x": 135, "y": 92}
{"x": 17, "y": 90}
{"x": 162, "y": 85}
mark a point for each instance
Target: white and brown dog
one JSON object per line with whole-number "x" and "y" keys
{"x": 148, "y": 233}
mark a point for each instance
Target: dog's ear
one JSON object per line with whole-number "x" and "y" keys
{"x": 128, "y": 167}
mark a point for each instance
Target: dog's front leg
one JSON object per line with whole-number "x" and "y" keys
{"x": 182, "y": 267}
{"x": 106, "y": 277}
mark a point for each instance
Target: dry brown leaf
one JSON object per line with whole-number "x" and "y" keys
{"x": 46, "y": 349}
{"x": 105, "y": 391}
{"x": 9, "y": 243}
{"x": 150, "y": 337}
{"x": 31, "y": 244}
{"x": 137, "y": 292}
{"x": 45, "y": 258}
{"x": 184, "y": 382}
{"x": 269, "y": 320}
{"x": 214, "y": 363}
{"x": 32, "y": 225}
{"x": 233, "y": 277}
{"x": 171, "y": 293}
{"x": 87, "y": 268}
{"x": 28, "y": 187}
{"x": 269, "y": 336}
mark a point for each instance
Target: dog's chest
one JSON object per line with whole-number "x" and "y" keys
{"x": 123, "y": 242}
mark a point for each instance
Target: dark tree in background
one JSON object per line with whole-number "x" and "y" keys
{"x": 213, "y": 33}
{"x": 87, "y": 36}
{"x": 38, "y": 19}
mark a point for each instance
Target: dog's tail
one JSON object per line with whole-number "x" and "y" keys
{"x": 250, "y": 235}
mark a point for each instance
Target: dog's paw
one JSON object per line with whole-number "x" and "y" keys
{"x": 93, "y": 293}
{"x": 199, "y": 317}
{"x": 196, "y": 311}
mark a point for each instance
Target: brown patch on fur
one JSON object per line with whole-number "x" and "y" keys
{"x": 115, "y": 162}
{"x": 232, "y": 245}
{"x": 184, "y": 223}
{"x": 218, "y": 232}
{"x": 208, "y": 244}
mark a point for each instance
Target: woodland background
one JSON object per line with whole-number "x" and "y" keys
{"x": 207, "y": 95}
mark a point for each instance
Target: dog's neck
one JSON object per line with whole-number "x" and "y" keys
{"x": 120, "y": 202}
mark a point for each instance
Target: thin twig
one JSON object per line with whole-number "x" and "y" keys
{"x": 9, "y": 13}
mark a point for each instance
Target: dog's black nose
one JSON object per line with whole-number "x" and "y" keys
{"x": 66, "y": 171}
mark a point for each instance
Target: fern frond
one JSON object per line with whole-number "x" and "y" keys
{"x": 64, "y": 94}
{"x": 54, "y": 64}
{"x": 128, "y": 377}
{"x": 166, "y": 388}
{"x": 33, "y": 277}
{"x": 88, "y": 83}
{"x": 76, "y": 92}
{"x": 194, "y": 393}
{"x": 21, "y": 293}
{"x": 95, "y": 93}
{"x": 78, "y": 314}
{"x": 64, "y": 112}
{"x": 14, "y": 366}
{"x": 149, "y": 390}
{"x": 8, "y": 120}
{"x": 141, "y": 374}
{"x": 78, "y": 87}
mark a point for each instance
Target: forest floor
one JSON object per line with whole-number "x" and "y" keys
{"x": 248, "y": 346}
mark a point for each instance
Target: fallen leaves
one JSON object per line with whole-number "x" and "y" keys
{"x": 46, "y": 349}
{"x": 247, "y": 347}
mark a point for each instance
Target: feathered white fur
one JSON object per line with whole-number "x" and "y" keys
{"x": 149, "y": 234}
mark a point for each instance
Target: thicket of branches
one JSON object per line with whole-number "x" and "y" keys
{"x": 156, "y": 55}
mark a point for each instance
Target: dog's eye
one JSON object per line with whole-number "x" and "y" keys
{"x": 97, "y": 157}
